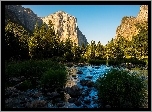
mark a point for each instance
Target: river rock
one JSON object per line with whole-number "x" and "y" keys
{"x": 74, "y": 91}
{"x": 72, "y": 100}
{"x": 87, "y": 101}
{"x": 53, "y": 95}
{"x": 89, "y": 77}
{"x": 37, "y": 104}
{"x": 87, "y": 83}
{"x": 77, "y": 103}
{"x": 61, "y": 104}
{"x": 108, "y": 106}
{"x": 79, "y": 72}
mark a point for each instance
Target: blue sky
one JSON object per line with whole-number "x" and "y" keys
{"x": 97, "y": 22}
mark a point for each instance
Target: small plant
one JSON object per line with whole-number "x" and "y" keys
{"x": 120, "y": 89}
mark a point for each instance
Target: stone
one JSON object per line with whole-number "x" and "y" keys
{"x": 74, "y": 91}
{"x": 87, "y": 101}
{"x": 36, "y": 104}
{"x": 77, "y": 103}
{"x": 87, "y": 83}
{"x": 79, "y": 72}
{"x": 97, "y": 67}
{"x": 89, "y": 77}
{"x": 108, "y": 106}
{"x": 60, "y": 104}
{"x": 53, "y": 95}
{"x": 72, "y": 100}
{"x": 37, "y": 95}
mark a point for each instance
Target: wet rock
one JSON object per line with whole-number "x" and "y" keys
{"x": 79, "y": 72}
{"x": 89, "y": 77}
{"x": 85, "y": 93}
{"x": 97, "y": 67}
{"x": 74, "y": 76}
{"x": 36, "y": 104}
{"x": 60, "y": 104}
{"x": 81, "y": 64}
{"x": 37, "y": 95}
{"x": 77, "y": 103}
{"x": 108, "y": 106}
{"x": 87, "y": 83}
{"x": 72, "y": 100}
{"x": 83, "y": 82}
{"x": 90, "y": 84}
{"x": 53, "y": 95}
{"x": 87, "y": 101}
{"x": 14, "y": 94}
{"x": 74, "y": 91}
{"x": 11, "y": 91}
{"x": 58, "y": 100}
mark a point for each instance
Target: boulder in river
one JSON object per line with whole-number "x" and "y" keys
{"x": 74, "y": 91}
{"x": 87, "y": 83}
{"x": 79, "y": 72}
{"x": 72, "y": 100}
{"x": 89, "y": 77}
{"x": 77, "y": 103}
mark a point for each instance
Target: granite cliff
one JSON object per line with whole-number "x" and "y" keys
{"x": 65, "y": 25}
{"x": 127, "y": 28}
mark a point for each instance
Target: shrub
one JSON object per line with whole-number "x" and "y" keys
{"x": 120, "y": 89}
{"x": 54, "y": 78}
{"x": 29, "y": 69}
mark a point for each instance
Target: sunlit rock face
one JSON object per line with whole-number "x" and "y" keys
{"x": 66, "y": 27}
{"x": 25, "y": 15}
{"x": 143, "y": 14}
{"x": 127, "y": 28}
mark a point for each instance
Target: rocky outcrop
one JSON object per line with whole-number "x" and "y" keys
{"x": 26, "y": 16}
{"x": 127, "y": 28}
{"x": 65, "y": 26}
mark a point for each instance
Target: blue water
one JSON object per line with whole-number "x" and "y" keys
{"x": 95, "y": 72}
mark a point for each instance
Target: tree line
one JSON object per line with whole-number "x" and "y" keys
{"x": 44, "y": 43}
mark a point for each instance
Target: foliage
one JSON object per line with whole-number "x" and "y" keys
{"x": 120, "y": 89}
{"x": 16, "y": 46}
{"x": 54, "y": 78}
{"x": 31, "y": 69}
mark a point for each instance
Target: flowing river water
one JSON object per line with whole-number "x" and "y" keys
{"x": 78, "y": 76}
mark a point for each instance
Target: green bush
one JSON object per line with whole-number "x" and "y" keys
{"x": 54, "y": 78}
{"x": 120, "y": 89}
{"x": 29, "y": 69}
